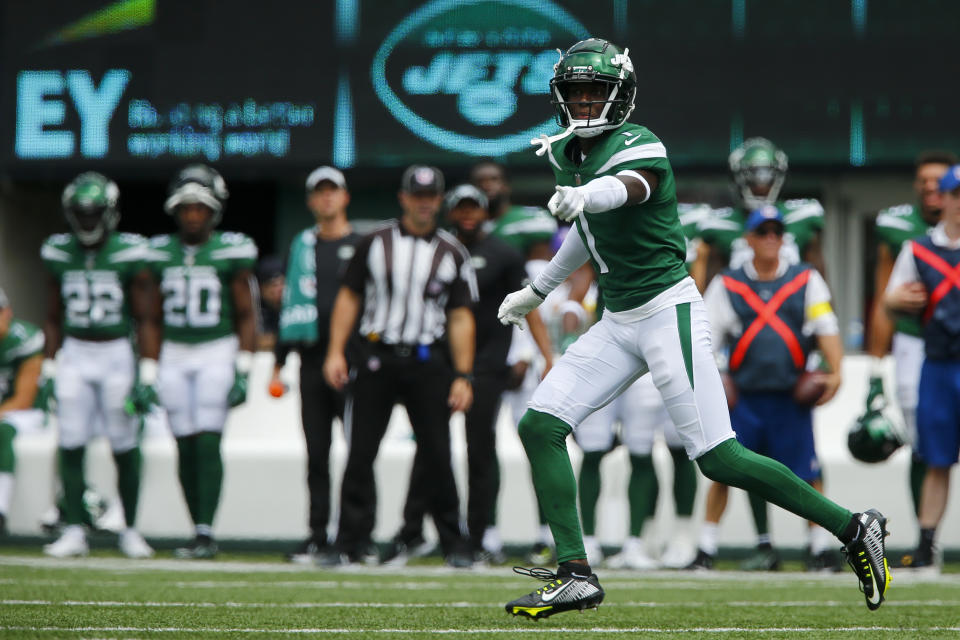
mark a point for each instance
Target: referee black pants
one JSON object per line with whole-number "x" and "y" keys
{"x": 319, "y": 405}
{"x": 482, "y": 468}
{"x": 423, "y": 387}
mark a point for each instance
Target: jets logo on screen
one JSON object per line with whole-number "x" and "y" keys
{"x": 472, "y": 76}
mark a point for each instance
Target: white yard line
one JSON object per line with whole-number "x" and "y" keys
{"x": 511, "y": 631}
{"x": 455, "y": 605}
{"x": 611, "y": 577}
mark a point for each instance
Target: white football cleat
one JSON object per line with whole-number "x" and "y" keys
{"x": 633, "y": 555}
{"x": 133, "y": 545}
{"x": 71, "y": 543}
{"x": 679, "y": 553}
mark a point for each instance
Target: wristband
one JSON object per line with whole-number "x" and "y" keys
{"x": 538, "y": 293}
{"x": 148, "y": 371}
{"x": 876, "y": 367}
{"x": 466, "y": 376}
{"x": 244, "y": 362}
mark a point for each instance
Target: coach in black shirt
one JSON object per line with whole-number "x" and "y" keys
{"x": 317, "y": 259}
{"x": 415, "y": 286}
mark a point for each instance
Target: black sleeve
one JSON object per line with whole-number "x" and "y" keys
{"x": 516, "y": 271}
{"x": 355, "y": 275}
{"x": 280, "y": 352}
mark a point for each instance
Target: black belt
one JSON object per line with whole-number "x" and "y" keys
{"x": 419, "y": 351}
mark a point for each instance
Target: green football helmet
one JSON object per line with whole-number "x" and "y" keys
{"x": 90, "y": 204}
{"x": 594, "y": 60}
{"x": 198, "y": 183}
{"x": 874, "y": 436}
{"x": 759, "y": 169}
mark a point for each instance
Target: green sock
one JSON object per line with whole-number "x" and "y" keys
{"x": 642, "y": 492}
{"x": 209, "y": 476}
{"x": 918, "y": 471}
{"x": 544, "y": 438}
{"x": 187, "y": 470}
{"x": 71, "y": 476}
{"x": 128, "y": 482}
{"x": 733, "y": 464}
{"x": 589, "y": 487}
{"x": 684, "y": 481}
{"x": 758, "y": 506}
{"x": 7, "y": 459}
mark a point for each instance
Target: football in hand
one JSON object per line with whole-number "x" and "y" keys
{"x": 809, "y": 388}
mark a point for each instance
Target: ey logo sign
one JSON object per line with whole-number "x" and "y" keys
{"x": 42, "y": 98}
{"x": 472, "y": 76}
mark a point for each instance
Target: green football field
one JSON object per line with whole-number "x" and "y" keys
{"x": 252, "y": 596}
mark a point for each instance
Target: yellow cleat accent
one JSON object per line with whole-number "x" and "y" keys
{"x": 533, "y": 612}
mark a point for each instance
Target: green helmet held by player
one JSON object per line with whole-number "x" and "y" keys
{"x": 595, "y": 60}
{"x": 91, "y": 206}
{"x": 759, "y": 169}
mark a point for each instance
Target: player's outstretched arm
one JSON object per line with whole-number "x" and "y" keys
{"x": 603, "y": 194}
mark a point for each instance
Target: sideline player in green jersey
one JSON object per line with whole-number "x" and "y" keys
{"x": 758, "y": 169}
{"x": 100, "y": 292}
{"x": 895, "y": 226}
{"x": 208, "y": 339}
{"x": 21, "y": 356}
{"x": 615, "y": 182}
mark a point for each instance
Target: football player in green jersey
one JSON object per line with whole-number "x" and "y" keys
{"x": 21, "y": 356}
{"x": 208, "y": 337}
{"x": 895, "y": 226}
{"x": 100, "y": 292}
{"x": 615, "y": 182}
{"x": 758, "y": 169}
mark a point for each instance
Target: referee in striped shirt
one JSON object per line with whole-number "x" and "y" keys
{"x": 412, "y": 287}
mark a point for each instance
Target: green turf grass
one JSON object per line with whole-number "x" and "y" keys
{"x": 106, "y": 596}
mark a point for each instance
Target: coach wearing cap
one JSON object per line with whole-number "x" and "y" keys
{"x": 317, "y": 258}
{"x": 411, "y": 288}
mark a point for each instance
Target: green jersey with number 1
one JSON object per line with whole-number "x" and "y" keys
{"x": 638, "y": 250}
{"x": 94, "y": 283}
{"x": 195, "y": 282}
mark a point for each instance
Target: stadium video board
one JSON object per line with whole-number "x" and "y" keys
{"x": 141, "y": 85}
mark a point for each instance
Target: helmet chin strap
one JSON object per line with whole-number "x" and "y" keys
{"x": 545, "y": 141}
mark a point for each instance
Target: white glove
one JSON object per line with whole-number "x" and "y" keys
{"x": 566, "y": 203}
{"x": 517, "y": 305}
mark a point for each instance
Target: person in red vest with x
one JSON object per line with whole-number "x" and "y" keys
{"x": 769, "y": 315}
{"x": 925, "y": 282}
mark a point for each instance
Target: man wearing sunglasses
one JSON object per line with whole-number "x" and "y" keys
{"x": 769, "y": 314}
